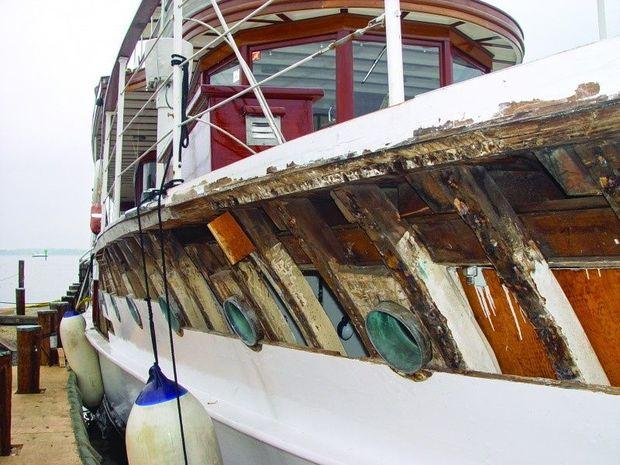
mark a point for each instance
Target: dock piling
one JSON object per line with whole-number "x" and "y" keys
{"x": 20, "y": 273}
{"x": 28, "y": 359}
{"x": 20, "y": 301}
{"x": 47, "y": 320}
{"x": 6, "y": 380}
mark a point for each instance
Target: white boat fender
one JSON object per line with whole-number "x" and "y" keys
{"x": 82, "y": 358}
{"x": 153, "y": 433}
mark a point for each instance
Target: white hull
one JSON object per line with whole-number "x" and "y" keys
{"x": 282, "y": 405}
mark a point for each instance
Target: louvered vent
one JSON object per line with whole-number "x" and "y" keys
{"x": 258, "y": 131}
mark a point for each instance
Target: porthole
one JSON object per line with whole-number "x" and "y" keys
{"x": 133, "y": 311}
{"x": 242, "y": 320}
{"x": 399, "y": 337}
{"x": 174, "y": 314}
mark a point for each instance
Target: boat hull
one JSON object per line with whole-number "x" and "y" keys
{"x": 290, "y": 406}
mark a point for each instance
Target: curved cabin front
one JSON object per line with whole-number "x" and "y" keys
{"x": 467, "y": 237}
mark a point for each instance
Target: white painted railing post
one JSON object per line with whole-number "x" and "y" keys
{"x": 602, "y": 20}
{"x": 394, "y": 43}
{"x": 105, "y": 162}
{"x": 120, "y": 116}
{"x": 177, "y": 82}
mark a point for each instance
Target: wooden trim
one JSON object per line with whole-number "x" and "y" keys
{"x": 345, "y": 101}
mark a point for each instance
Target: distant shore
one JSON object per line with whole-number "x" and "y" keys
{"x": 39, "y": 251}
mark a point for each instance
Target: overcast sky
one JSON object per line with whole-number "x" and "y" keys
{"x": 52, "y": 55}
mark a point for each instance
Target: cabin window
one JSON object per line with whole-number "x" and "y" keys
{"x": 228, "y": 75}
{"x": 464, "y": 69}
{"x": 370, "y": 71}
{"x": 399, "y": 337}
{"x": 318, "y": 73}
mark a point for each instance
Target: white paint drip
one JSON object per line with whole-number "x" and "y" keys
{"x": 485, "y": 307}
{"x": 598, "y": 270}
{"x": 512, "y": 310}
{"x": 587, "y": 274}
{"x": 487, "y": 293}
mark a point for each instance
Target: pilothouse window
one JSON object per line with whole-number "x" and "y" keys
{"x": 319, "y": 73}
{"x": 370, "y": 71}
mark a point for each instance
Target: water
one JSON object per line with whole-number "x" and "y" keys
{"x": 45, "y": 280}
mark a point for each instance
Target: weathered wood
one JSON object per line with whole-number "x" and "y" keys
{"x": 188, "y": 302}
{"x": 521, "y": 268}
{"x": 287, "y": 279}
{"x": 603, "y": 164}
{"x": 231, "y": 238}
{"x": 326, "y": 254}
{"x": 119, "y": 286}
{"x": 130, "y": 276}
{"x": 566, "y": 168}
{"x": 20, "y": 301}
{"x": 6, "y": 381}
{"x": 28, "y": 359}
{"x": 433, "y": 294}
{"x": 46, "y": 319}
{"x": 195, "y": 279}
{"x": 20, "y": 273}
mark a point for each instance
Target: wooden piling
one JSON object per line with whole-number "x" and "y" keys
{"x": 20, "y": 273}
{"x": 20, "y": 301}
{"x": 61, "y": 308}
{"x": 47, "y": 320}
{"x": 28, "y": 359}
{"x": 6, "y": 380}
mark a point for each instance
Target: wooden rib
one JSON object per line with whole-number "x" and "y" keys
{"x": 130, "y": 277}
{"x": 196, "y": 281}
{"x": 602, "y": 162}
{"x": 189, "y": 302}
{"x": 155, "y": 275}
{"x": 227, "y": 282}
{"x": 119, "y": 286}
{"x": 566, "y": 168}
{"x": 287, "y": 279}
{"x": 326, "y": 254}
{"x": 434, "y": 295}
{"x": 134, "y": 262}
{"x": 521, "y": 268}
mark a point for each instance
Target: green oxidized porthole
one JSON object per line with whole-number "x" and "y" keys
{"x": 175, "y": 319}
{"x": 242, "y": 320}
{"x": 133, "y": 311}
{"x": 399, "y": 337}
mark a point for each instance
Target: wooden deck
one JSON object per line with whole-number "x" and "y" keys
{"x": 41, "y": 423}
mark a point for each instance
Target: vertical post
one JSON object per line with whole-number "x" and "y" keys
{"x": 345, "y": 85}
{"x": 47, "y": 320}
{"x": 602, "y": 20}
{"x": 106, "y": 161}
{"x": 28, "y": 359}
{"x": 177, "y": 80}
{"x": 20, "y": 273}
{"x": 393, "y": 40}
{"x": 61, "y": 308}
{"x": 120, "y": 116}
{"x": 6, "y": 381}
{"x": 20, "y": 301}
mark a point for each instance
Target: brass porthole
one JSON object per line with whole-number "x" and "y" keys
{"x": 399, "y": 337}
{"x": 242, "y": 320}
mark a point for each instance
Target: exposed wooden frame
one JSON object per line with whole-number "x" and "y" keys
{"x": 435, "y": 296}
{"x": 287, "y": 279}
{"x": 520, "y": 266}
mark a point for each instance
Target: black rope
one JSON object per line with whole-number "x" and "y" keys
{"x": 145, "y": 274}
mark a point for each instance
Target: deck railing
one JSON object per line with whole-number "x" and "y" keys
{"x": 111, "y": 195}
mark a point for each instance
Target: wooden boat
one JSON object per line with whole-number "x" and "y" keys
{"x": 433, "y": 280}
